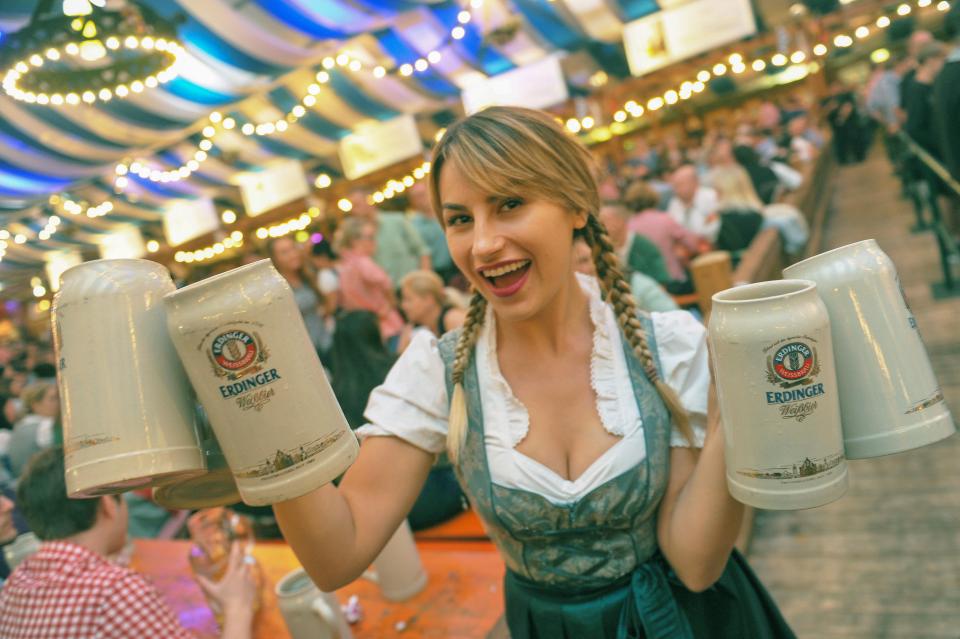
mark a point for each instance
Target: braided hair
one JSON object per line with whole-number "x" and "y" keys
{"x": 511, "y": 147}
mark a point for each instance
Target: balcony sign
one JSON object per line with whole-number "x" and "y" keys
{"x": 536, "y": 86}
{"x": 375, "y": 145}
{"x": 669, "y": 36}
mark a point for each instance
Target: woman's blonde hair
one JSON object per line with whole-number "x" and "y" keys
{"x": 34, "y": 394}
{"x": 640, "y": 196}
{"x": 733, "y": 185}
{"x": 425, "y": 283}
{"x": 503, "y": 150}
{"x": 350, "y": 231}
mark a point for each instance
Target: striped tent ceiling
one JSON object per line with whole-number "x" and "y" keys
{"x": 253, "y": 61}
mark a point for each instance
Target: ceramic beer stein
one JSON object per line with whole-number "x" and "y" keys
{"x": 128, "y": 418}
{"x": 773, "y": 360}
{"x": 308, "y": 612}
{"x": 889, "y": 397}
{"x": 243, "y": 343}
{"x": 399, "y": 571}
{"x": 216, "y": 487}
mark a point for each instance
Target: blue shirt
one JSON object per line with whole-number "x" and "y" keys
{"x": 436, "y": 240}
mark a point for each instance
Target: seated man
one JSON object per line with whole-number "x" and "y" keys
{"x": 69, "y": 589}
{"x": 637, "y": 253}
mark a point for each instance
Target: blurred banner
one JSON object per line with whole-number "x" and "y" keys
{"x": 184, "y": 220}
{"x": 536, "y": 86}
{"x": 125, "y": 242}
{"x": 375, "y": 145}
{"x": 675, "y": 34}
{"x": 279, "y": 182}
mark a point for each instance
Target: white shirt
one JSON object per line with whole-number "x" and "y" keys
{"x": 328, "y": 281}
{"x": 412, "y": 403}
{"x": 702, "y": 216}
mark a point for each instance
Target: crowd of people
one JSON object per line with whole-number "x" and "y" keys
{"x": 917, "y": 94}
{"x": 384, "y": 281}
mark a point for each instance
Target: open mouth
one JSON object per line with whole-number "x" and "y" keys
{"x": 507, "y": 279}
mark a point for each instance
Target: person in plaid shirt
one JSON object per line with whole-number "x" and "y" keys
{"x": 68, "y": 589}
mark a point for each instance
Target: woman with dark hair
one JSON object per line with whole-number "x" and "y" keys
{"x": 289, "y": 260}
{"x": 359, "y": 361}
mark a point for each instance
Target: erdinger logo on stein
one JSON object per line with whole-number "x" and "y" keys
{"x": 238, "y": 356}
{"x": 793, "y": 362}
{"x": 793, "y": 365}
{"x": 234, "y": 350}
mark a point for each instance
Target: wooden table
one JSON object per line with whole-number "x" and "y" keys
{"x": 462, "y": 600}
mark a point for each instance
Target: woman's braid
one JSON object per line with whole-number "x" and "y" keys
{"x": 618, "y": 294}
{"x": 457, "y": 430}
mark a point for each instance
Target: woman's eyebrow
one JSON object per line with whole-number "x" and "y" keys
{"x": 453, "y": 206}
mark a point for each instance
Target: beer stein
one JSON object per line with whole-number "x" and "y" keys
{"x": 216, "y": 487}
{"x": 399, "y": 572}
{"x": 889, "y": 397}
{"x": 128, "y": 418}
{"x": 777, "y": 390}
{"x": 308, "y": 612}
{"x": 246, "y": 350}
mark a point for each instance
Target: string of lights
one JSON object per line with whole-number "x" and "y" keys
{"x": 232, "y": 241}
{"x": 308, "y": 100}
{"x": 399, "y": 185}
{"x": 736, "y": 64}
{"x": 22, "y": 71}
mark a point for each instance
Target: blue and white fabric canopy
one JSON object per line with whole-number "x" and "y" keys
{"x": 253, "y": 61}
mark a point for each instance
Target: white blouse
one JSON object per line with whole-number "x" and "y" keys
{"x": 412, "y": 403}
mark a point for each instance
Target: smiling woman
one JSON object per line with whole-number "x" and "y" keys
{"x": 574, "y": 421}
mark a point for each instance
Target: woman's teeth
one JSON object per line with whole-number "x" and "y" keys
{"x": 503, "y": 270}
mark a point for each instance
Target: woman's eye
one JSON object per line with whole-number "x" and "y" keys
{"x": 511, "y": 203}
{"x": 457, "y": 219}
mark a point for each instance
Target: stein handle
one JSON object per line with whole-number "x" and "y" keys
{"x": 325, "y": 612}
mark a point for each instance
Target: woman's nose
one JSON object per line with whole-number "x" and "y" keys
{"x": 487, "y": 240}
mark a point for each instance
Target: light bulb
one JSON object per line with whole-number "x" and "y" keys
{"x": 77, "y": 8}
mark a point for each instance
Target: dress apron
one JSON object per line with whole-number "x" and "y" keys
{"x": 592, "y": 569}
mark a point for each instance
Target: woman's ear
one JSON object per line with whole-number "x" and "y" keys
{"x": 580, "y": 219}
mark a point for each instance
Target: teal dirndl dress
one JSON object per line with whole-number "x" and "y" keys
{"x": 592, "y": 569}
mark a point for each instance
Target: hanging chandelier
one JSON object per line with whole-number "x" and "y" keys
{"x": 80, "y": 53}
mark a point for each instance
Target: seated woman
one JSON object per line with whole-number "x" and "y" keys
{"x": 289, "y": 259}
{"x": 35, "y": 430}
{"x": 364, "y": 285}
{"x": 426, "y": 304}
{"x": 360, "y": 364}
{"x": 741, "y": 211}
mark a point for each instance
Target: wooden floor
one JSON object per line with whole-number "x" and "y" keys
{"x": 884, "y": 561}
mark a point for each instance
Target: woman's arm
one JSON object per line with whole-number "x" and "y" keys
{"x": 699, "y": 520}
{"x": 337, "y": 532}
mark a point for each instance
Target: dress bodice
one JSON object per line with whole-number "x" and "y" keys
{"x": 593, "y": 541}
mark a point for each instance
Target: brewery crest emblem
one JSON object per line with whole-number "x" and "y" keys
{"x": 793, "y": 364}
{"x": 237, "y": 353}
